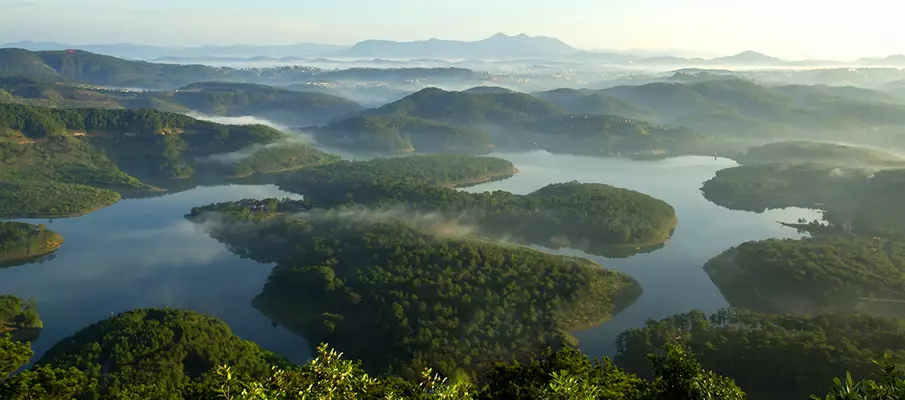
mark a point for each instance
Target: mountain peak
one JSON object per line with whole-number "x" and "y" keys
{"x": 500, "y": 35}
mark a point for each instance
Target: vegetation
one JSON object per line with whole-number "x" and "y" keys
{"x": 469, "y": 108}
{"x": 592, "y": 217}
{"x": 772, "y": 356}
{"x": 16, "y": 314}
{"x": 562, "y": 373}
{"x": 282, "y": 157}
{"x": 20, "y": 241}
{"x": 156, "y": 354}
{"x": 849, "y": 273}
{"x": 592, "y": 102}
{"x": 672, "y": 358}
{"x": 702, "y": 105}
{"x": 427, "y": 295}
{"x": 281, "y": 105}
{"x": 804, "y": 152}
{"x": 853, "y": 199}
{"x": 434, "y": 170}
{"x": 73, "y": 161}
{"x": 402, "y": 134}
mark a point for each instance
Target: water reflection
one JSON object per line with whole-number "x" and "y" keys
{"x": 143, "y": 253}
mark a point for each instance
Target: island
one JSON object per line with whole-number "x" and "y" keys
{"x": 772, "y": 356}
{"x": 69, "y": 162}
{"x": 850, "y": 273}
{"x": 413, "y": 286}
{"x": 596, "y": 218}
{"x": 19, "y": 318}
{"x": 21, "y": 242}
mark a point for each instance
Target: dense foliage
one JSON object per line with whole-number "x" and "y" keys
{"x": 866, "y": 202}
{"x": 16, "y": 313}
{"x": 281, "y": 157}
{"x": 592, "y": 217}
{"x": 558, "y": 374}
{"x": 772, "y": 357}
{"x": 851, "y": 273}
{"x": 58, "y": 162}
{"x": 469, "y": 108}
{"x": 434, "y": 170}
{"x": 155, "y": 353}
{"x": 427, "y": 296}
{"x": 402, "y": 134}
{"x": 21, "y": 241}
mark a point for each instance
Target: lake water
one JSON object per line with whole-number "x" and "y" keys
{"x": 143, "y": 253}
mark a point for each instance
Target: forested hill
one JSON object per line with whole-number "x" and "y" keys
{"x": 285, "y": 106}
{"x": 775, "y": 357}
{"x": 182, "y": 355}
{"x": 435, "y": 120}
{"x": 346, "y": 272}
{"x": 84, "y": 67}
{"x": 850, "y": 273}
{"x": 592, "y": 217}
{"x": 59, "y": 162}
{"x": 470, "y": 108}
{"x": 868, "y": 202}
{"x": 77, "y": 66}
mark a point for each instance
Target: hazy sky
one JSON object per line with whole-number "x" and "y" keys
{"x": 786, "y": 28}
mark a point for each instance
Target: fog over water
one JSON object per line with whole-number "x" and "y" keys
{"x": 143, "y": 253}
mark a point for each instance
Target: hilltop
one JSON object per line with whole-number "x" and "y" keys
{"x": 61, "y": 162}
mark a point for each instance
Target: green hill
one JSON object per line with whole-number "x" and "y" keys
{"x": 587, "y": 101}
{"x": 59, "y": 162}
{"x": 591, "y": 217}
{"x": 402, "y": 134}
{"x": 281, "y": 105}
{"x": 853, "y": 199}
{"x": 175, "y": 360}
{"x": 469, "y": 109}
{"x": 849, "y": 273}
{"x": 740, "y": 107}
{"x": 772, "y": 357}
{"x": 346, "y": 273}
{"x": 155, "y": 353}
{"x": 84, "y": 67}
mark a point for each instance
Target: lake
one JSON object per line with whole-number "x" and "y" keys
{"x": 142, "y": 253}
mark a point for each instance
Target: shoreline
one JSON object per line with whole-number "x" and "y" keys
{"x": 483, "y": 179}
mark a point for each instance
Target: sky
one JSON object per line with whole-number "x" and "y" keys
{"x": 795, "y": 29}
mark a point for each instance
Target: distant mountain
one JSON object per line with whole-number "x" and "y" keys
{"x": 146, "y": 52}
{"x": 498, "y": 46}
{"x": 747, "y": 58}
{"x": 740, "y": 59}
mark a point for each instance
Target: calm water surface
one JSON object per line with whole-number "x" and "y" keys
{"x": 143, "y": 253}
